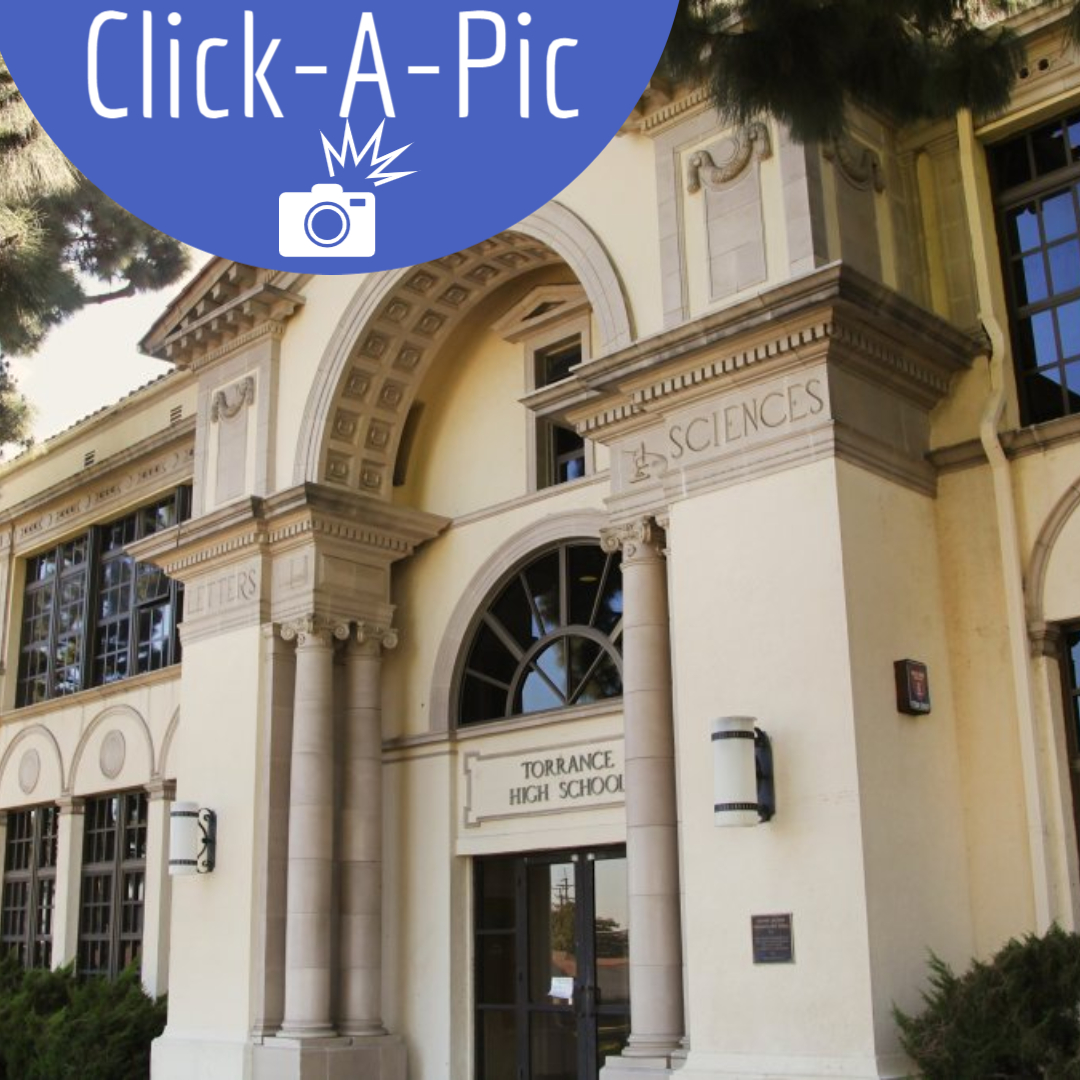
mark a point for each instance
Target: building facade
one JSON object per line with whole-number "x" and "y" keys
{"x": 433, "y": 584}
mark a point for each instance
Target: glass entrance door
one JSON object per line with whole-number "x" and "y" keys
{"x": 552, "y": 964}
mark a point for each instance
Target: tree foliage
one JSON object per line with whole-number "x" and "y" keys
{"x": 63, "y": 244}
{"x": 1015, "y": 1017}
{"x": 802, "y": 61}
{"x": 54, "y": 1026}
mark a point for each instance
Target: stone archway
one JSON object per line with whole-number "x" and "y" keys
{"x": 397, "y": 323}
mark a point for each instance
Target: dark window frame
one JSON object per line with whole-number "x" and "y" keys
{"x": 560, "y": 450}
{"x": 112, "y": 887}
{"x": 598, "y": 646}
{"x": 88, "y": 618}
{"x": 505, "y": 938}
{"x": 1028, "y": 176}
{"x": 28, "y": 886}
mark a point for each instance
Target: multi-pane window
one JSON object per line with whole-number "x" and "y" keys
{"x": 560, "y": 449}
{"x": 113, "y": 883}
{"x": 92, "y": 615}
{"x": 29, "y": 885}
{"x": 1037, "y": 180}
{"x": 549, "y": 637}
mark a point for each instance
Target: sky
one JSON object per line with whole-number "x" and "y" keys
{"x": 93, "y": 359}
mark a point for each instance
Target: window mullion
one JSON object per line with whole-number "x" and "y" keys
{"x": 32, "y": 897}
{"x": 54, "y": 616}
{"x": 564, "y": 592}
{"x": 93, "y": 545}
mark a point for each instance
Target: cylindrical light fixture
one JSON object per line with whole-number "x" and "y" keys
{"x": 742, "y": 772}
{"x": 192, "y": 839}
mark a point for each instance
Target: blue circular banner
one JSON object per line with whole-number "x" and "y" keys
{"x": 329, "y": 137}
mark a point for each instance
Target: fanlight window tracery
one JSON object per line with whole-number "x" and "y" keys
{"x": 549, "y": 638}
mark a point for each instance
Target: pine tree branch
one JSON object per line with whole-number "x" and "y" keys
{"x": 116, "y": 294}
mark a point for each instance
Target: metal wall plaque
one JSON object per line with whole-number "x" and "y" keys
{"x": 772, "y": 939}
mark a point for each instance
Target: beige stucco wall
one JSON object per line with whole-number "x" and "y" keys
{"x": 67, "y": 736}
{"x": 759, "y": 628}
{"x": 914, "y": 837}
{"x": 216, "y": 765}
{"x": 107, "y": 433}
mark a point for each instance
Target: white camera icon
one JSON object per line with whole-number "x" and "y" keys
{"x": 326, "y": 221}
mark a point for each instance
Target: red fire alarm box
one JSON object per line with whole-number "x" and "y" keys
{"x": 912, "y": 687}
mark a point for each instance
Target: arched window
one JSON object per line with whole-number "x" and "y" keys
{"x": 549, "y": 637}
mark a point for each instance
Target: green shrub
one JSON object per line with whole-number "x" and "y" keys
{"x": 54, "y": 1026}
{"x": 1013, "y": 1018}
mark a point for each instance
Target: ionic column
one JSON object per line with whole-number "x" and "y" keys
{"x": 69, "y": 853}
{"x": 309, "y": 906}
{"x": 360, "y": 994}
{"x": 156, "y": 906}
{"x": 652, "y": 853}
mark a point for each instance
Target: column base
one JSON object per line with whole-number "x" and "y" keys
{"x": 643, "y": 1062}
{"x": 380, "y": 1057}
{"x": 180, "y": 1056}
{"x": 638, "y": 1068}
{"x": 703, "y": 1065}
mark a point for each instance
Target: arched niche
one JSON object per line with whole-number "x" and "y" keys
{"x": 116, "y": 751}
{"x": 1052, "y": 590}
{"x": 397, "y": 323}
{"x": 31, "y": 768}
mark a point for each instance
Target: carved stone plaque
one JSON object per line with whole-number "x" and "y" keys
{"x": 551, "y": 780}
{"x": 742, "y": 424}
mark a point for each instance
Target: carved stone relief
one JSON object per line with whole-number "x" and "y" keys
{"x": 113, "y": 754}
{"x": 702, "y": 169}
{"x": 29, "y": 771}
{"x": 729, "y": 174}
{"x": 229, "y": 414}
{"x": 242, "y": 393}
{"x": 858, "y": 164}
{"x": 93, "y": 505}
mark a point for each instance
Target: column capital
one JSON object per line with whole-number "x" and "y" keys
{"x": 314, "y": 631}
{"x": 1045, "y": 639}
{"x": 71, "y": 804}
{"x": 158, "y": 789}
{"x": 375, "y": 637}
{"x": 641, "y": 538}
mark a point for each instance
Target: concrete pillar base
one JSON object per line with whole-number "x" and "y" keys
{"x": 717, "y": 1066}
{"x": 638, "y": 1068}
{"x": 379, "y": 1057}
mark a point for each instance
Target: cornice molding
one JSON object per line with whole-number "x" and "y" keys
{"x": 1017, "y": 443}
{"x": 307, "y": 513}
{"x": 662, "y": 106}
{"x": 834, "y": 313}
{"x": 238, "y": 309}
{"x": 99, "y": 491}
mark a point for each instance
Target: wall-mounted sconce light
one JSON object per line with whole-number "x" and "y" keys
{"x": 192, "y": 839}
{"x": 743, "y": 792}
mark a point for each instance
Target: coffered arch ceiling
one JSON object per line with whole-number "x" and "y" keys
{"x": 397, "y": 324}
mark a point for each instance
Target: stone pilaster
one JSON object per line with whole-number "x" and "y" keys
{"x": 272, "y": 831}
{"x": 69, "y": 851}
{"x": 309, "y": 905}
{"x": 360, "y": 990}
{"x": 155, "y": 944}
{"x": 652, "y": 851}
